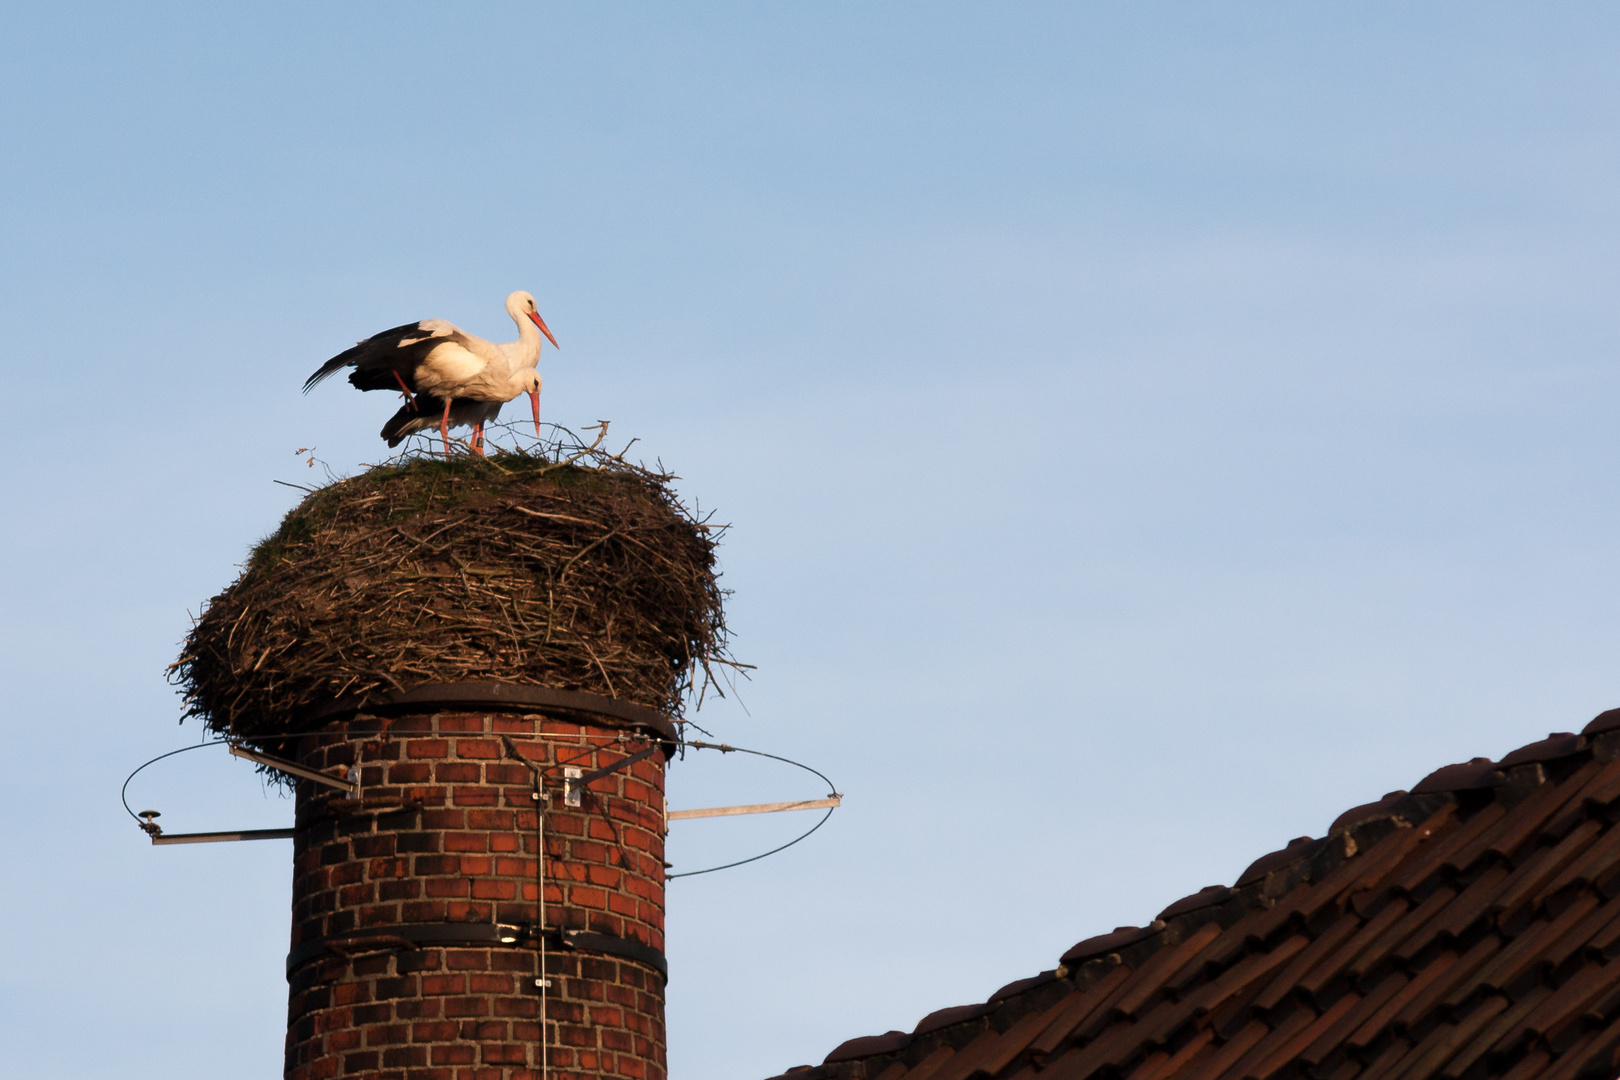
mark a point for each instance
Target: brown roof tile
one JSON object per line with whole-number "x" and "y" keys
{"x": 1468, "y": 930}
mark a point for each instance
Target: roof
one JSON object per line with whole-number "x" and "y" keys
{"x": 1465, "y": 929}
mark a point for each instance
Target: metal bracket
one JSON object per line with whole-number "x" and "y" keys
{"x": 159, "y": 838}
{"x": 573, "y": 790}
{"x": 352, "y": 786}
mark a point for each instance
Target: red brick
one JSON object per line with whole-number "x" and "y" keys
{"x": 491, "y": 820}
{"x": 466, "y": 959}
{"x": 443, "y": 819}
{"x": 434, "y": 1031}
{"x": 448, "y": 886}
{"x": 504, "y": 1054}
{"x": 409, "y": 889}
{"x": 439, "y": 985}
{"x": 409, "y": 772}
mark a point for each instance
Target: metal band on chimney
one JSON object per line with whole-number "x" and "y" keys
{"x": 502, "y": 697}
{"x": 481, "y": 935}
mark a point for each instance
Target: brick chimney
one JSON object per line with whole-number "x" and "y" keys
{"x": 493, "y": 650}
{"x": 418, "y": 947}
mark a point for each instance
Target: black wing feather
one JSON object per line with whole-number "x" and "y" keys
{"x": 379, "y": 357}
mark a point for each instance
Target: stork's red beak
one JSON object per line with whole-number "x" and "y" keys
{"x": 541, "y": 323}
{"x": 534, "y": 399}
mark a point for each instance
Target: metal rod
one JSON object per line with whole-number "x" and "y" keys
{"x": 218, "y": 837}
{"x": 755, "y": 808}
{"x": 351, "y": 786}
{"x": 607, "y": 770}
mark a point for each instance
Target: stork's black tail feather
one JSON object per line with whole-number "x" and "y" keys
{"x": 413, "y": 418}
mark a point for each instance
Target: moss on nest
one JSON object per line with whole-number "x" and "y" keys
{"x": 586, "y": 574}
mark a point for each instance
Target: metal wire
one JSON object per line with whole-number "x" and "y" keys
{"x": 123, "y": 792}
{"x": 725, "y": 748}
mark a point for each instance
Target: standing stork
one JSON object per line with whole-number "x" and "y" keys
{"x": 459, "y": 375}
{"x": 425, "y": 411}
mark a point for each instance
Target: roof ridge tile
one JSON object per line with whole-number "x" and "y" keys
{"x": 1556, "y": 745}
{"x": 1604, "y": 721}
{"x": 1283, "y": 856}
{"x": 1208, "y": 896}
{"x": 951, "y": 1014}
{"x": 1103, "y": 944}
{"x": 867, "y": 1046}
{"x": 1019, "y": 986}
{"x": 1464, "y": 776}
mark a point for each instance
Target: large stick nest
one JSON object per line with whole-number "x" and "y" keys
{"x": 577, "y": 576}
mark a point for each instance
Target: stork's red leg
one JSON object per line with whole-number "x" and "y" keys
{"x": 478, "y": 438}
{"x": 444, "y": 428}
{"x": 404, "y": 389}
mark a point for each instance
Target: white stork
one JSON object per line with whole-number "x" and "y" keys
{"x": 425, "y": 411}
{"x": 458, "y": 375}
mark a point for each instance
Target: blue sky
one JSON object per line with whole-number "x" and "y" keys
{"x": 1148, "y": 430}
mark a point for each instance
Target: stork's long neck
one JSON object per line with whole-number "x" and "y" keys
{"x": 525, "y": 351}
